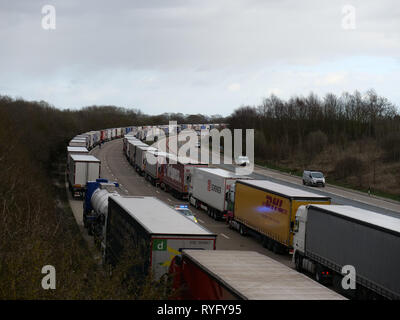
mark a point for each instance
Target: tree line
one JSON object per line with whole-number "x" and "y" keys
{"x": 297, "y": 130}
{"x": 37, "y": 227}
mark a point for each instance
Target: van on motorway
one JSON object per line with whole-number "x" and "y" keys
{"x": 313, "y": 178}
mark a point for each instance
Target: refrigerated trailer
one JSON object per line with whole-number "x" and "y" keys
{"x": 153, "y": 228}
{"x": 239, "y": 275}
{"x": 328, "y": 238}
{"x": 268, "y": 210}
{"x": 81, "y": 169}
{"x": 210, "y": 189}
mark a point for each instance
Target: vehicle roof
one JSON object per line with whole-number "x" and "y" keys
{"x": 183, "y": 159}
{"x": 254, "y": 276}
{"x": 84, "y": 158}
{"x": 221, "y": 172}
{"x": 282, "y": 189}
{"x": 158, "y": 218}
{"x": 77, "y": 149}
{"x": 364, "y": 216}
{"x": 137, "y": 143}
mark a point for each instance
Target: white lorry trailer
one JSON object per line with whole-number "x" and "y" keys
{"x": 131, "y": 149}
{"x": 156, "y": 230}
{"x": 140, "y": 157}
{"x": 78, "y": 143}
{"x": 81, "y": 169}
{"x": 77, "y": 150}
{"x": 154, "y": 161}
{"x": 330, "y": 237}
{"x": 210, "y": 189}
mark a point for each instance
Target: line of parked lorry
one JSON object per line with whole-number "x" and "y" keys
{"x": 323, "y": 238}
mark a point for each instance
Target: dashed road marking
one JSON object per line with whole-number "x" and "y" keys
{"x": 225, "y": 236}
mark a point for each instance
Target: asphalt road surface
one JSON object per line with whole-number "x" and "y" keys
{"x": 115, "y": 167}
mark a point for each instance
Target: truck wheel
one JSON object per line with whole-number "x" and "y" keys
{"x": 298, "y": 263}
{"x": 304, "y": 183}
{"x": 318, "y": 275}
{"x": 242, "y": 230}
{"x": 276, "y": 248}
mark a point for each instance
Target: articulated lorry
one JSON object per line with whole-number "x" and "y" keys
{"x": 95, "y": 208}
{"x": 154, "y": 229}
{"x": 331, "y": 241}
{"x": 210, "y": 189}
{"x": 177, "y": 175}
{"x": 140, "y": 157}
{"x": 241, "y": 275}
{"x": 268, "y": 210}
{"x": 154, "y": 160}
{"x": 81, "y": 169}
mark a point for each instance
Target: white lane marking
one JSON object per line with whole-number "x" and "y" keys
{"x": 169, "y": 199}
{"x": 157, "y": 191}
{"x": 200, "y": 220}
{"x": 225, "y": 236}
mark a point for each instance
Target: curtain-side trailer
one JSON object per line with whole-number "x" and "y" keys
{"x": 154, "y": 229}
{"x": 329, "y": 238}
{"x": 268, "y": 210}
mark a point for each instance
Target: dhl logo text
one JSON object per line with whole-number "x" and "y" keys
{"x": 274, "y": 204}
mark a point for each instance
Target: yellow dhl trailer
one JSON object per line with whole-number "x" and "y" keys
{"x": 268, "y": 211}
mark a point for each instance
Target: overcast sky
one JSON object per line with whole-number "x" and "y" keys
{"x": 197, "y": 56}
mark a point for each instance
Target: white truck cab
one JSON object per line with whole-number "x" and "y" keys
{"x": 299, "y": 241}
{"x": 299, "y": 230}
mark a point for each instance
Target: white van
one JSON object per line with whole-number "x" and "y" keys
{"x": 313, "y": 178}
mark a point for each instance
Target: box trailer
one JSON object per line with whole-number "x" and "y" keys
{"x": 155, "y": 229}
{"x": 210, "y": 189}
{"x": 268, "y": 210}
{"x": 140, "y": 157}
{"x": 177, "y": 174}
{"x": 241, "y": 275}
{"x": 125, "y": 148}
{"x": 78, "y": 143}
{"x": 154, "y": 160}
{"x": 77, "y": 150}
{"x": 132, "y": 146}
{"x": 328, "y": 238}
{"x": 81, "y": 169}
